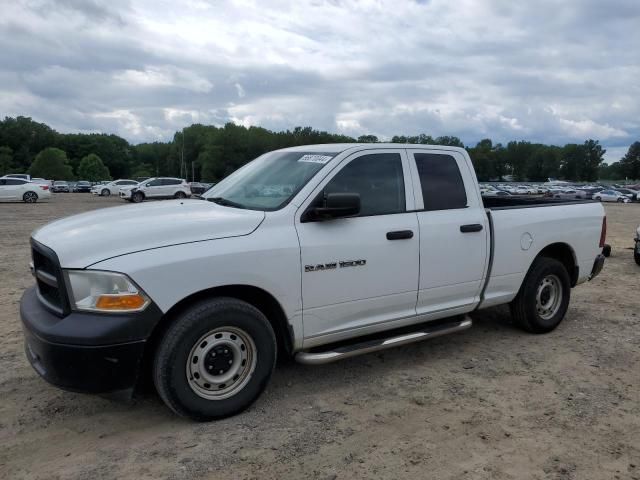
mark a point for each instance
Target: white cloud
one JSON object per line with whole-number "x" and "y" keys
{"x": 472, "y": 68}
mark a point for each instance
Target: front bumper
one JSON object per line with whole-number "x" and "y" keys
{"x": 84, "y": 352}
{"x": 598, "y": 264}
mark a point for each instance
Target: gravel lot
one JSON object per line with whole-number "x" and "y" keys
{"x": 489, "y": 403}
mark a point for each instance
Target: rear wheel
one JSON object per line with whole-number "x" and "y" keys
{"x": 180, "y": 194}
{"x": 620, "y": 200}
{"x": 137, "y": 197}
{"x": 598, "y": 199}
{"x": 636, "y": 253}
{"x": 30, "y": 197}
{"x": 105, "y": 192}
{"x": 543, "y": 299}
{"x": 215, "y": 359}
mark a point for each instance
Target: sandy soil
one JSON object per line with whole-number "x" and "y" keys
{"x": 489, "y": 403}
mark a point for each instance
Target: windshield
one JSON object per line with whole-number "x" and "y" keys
{"x": 270, "y": 181}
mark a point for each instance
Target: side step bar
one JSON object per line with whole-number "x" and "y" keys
{"x": 346, "y": 351}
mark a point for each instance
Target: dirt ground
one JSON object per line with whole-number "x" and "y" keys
{"x": 489, "y": 403}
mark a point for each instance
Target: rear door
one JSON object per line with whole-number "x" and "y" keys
{"x": 454, "y": 233}
{"x": 360, "y": 274}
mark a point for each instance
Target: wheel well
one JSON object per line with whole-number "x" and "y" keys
{"x": 262, "y": 300}
{"x": 564, "y": 254}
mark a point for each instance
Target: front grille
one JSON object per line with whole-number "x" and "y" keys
{"x": 49, "y": 279}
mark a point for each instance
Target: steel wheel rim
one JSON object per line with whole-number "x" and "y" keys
{"x": 548, "y": 297}
{"x": 30, "y": 197}
{"x": 221, "y": 363}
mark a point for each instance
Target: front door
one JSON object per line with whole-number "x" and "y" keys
{"x": 361, "y": 273}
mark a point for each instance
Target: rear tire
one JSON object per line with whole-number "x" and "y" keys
{"x": 30, "y": 197}
{"x": 619, "y": 200}
{"x": 543, "y": 299}
{"x": 105, "y": 192}
{"x": 598, "y": 199}
{"x": 636, "y": 256}
{"x": 180, "y": 195}
{"x": 223, "y": 333}
{"x": 137, "y": 197}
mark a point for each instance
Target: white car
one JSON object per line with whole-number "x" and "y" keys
{"x": 611, "y": 196}
{"x": 16, "y": 189}
{"x": 112, "y": 188}
{"x": 306, "y": 252}
{"x": 156, "y": 188}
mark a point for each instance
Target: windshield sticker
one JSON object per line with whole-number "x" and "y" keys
{"x": 315, "y": 158}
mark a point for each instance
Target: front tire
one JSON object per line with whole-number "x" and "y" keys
{"x": 598, "y": 199}
{"x": 636, "y": 255}
{"x": 105, "y": 192}
{"x": 215, "y": 359}
{"x": 619, "y": 200}
{"x": 137, "y": 197}
{"x": 30, "y": 197}
{"x": 543, "y": 299}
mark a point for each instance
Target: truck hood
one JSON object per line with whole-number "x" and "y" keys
{"x": 82, "y": 240}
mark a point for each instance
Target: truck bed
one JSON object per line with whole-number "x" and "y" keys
{"x": 510, "y": 202}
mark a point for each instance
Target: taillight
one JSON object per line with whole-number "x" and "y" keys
{"x": 603, "y": 232}
{"x": 44, "y": 187}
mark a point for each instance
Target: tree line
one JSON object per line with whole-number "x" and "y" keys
{"x": 209, "y": 153}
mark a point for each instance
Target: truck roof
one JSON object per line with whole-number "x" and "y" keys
{"x": 341, "y": 147}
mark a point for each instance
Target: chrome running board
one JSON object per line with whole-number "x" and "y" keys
{"x": 367, "y": 346}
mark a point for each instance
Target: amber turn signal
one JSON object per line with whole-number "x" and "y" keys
{"x": 120, "y": 302}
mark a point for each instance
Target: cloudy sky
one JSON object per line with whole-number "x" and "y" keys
{"x": 552, "y": 71}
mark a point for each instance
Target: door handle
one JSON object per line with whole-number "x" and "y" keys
{"x": 400, "y": 235}
{"x": 473, "y": 227}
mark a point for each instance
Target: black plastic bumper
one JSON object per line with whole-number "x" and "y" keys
{"x": 82, "y": 352}
{"x": 597, "y": 266}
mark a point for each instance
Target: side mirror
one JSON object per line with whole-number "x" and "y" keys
{"x": 335, "y": 205}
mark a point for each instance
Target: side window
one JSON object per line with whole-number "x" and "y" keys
{"x": 379, "y": 180}
{"x": 15, "y": 181}
{"x": 171, "y": 181}
{"x": 130, "y": 182}
{"x": 121, "y": 183}
{"x": 442, "y": 185}
{"x": 154, "y": 183}
{"x": 3, "y": 182}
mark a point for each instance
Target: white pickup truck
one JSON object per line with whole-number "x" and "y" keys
{"x": 317, "y": 252}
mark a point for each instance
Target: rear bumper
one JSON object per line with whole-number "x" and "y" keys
{"x": 598, "y": 264}
{"x": 82, "y": 352}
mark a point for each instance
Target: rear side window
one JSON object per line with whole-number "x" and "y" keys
{"x": 379, "y": 180}
{"x": 14, "y": 181}
{"x": 171, "y": 181}
{"x": 442, "y": 185}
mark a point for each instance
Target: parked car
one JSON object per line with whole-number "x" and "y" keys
{"x": 156, "y": 188}
{"x": 636, "y": 249}
{"x": 112, "y": 188}
{"x": 82, "y": 186}
{"x": 611, "y": 196}
{"x": 23, "y": 176}
{"x": 60, "y": 186}
{"x": 198, "y": 188}
{"x": 629, "y": 193}
{"x": 206, "y": 292}
{"x": 13, "y": 188}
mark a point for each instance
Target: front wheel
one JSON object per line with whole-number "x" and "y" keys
{"x": 598, "y": 199}
{"x": 215, "y": 359}
{"x": 137, "y": 197}
{"x": 636, "y": 253}
{"x": 30, "y": 197}
{"x": 543, "y": 299}
{"x": 105, "y": 192}
{"x": 620, "y": 200}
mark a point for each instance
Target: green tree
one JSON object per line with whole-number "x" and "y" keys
{"x": 630, "y": 163}
{"x": 594, "y": 157}
{"x": 91, "y": 168}
{"x": 51, "y": 163}
{"x": 6, "y": 160}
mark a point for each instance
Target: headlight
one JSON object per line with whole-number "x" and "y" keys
{"x": 98, "y": 291}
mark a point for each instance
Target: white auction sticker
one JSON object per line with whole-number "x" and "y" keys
{"x": 315, "y": 158}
